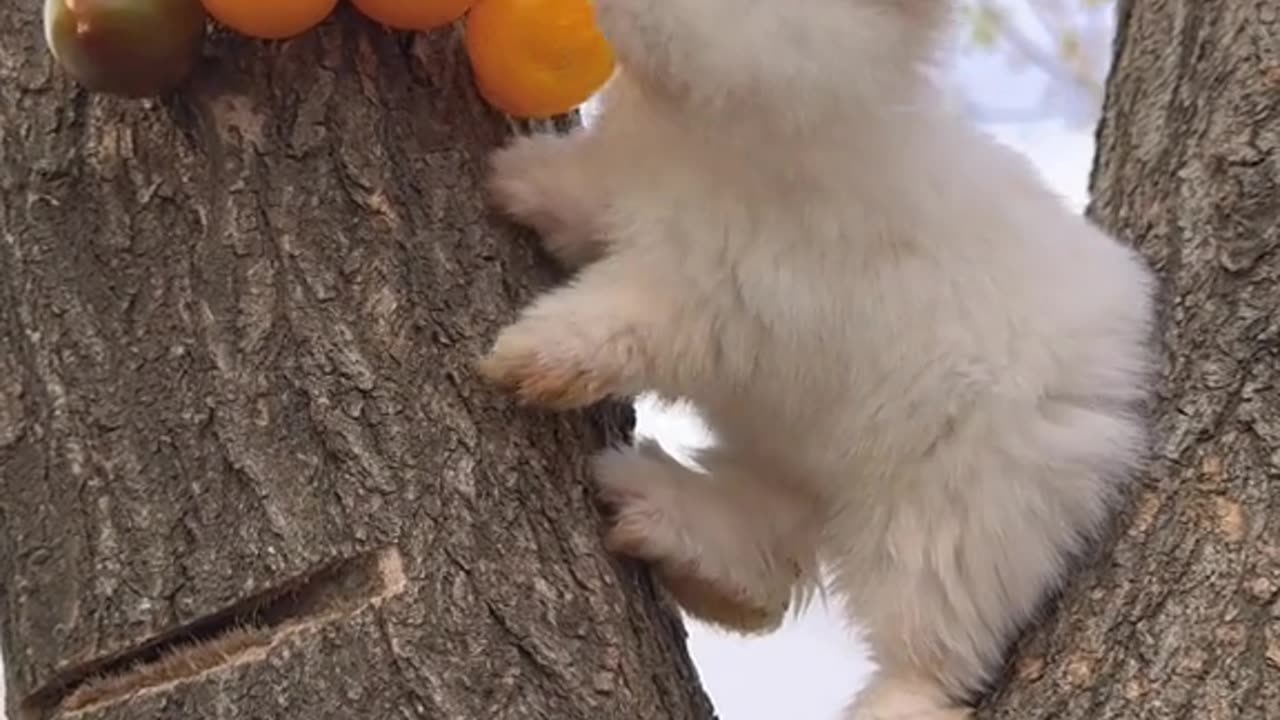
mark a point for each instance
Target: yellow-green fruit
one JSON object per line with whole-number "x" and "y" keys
{"x": 134, "y": 48}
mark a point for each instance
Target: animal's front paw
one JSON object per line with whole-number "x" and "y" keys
{"x": 650, "y": 522}
{"x": 540, "y": 182}
{"x": 535, "y": 180}
{"x": 518, "y": 182}
{"x": 547, "y": 368}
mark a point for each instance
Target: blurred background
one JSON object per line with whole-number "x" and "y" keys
{"x": 1031, "y": 72}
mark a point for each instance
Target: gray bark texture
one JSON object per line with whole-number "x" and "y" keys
{"x": 1179, "y": 616}
{"x": 246, "y": 469}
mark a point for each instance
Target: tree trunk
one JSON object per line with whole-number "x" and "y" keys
{"x": 246, "y": 469}
{"x": 1180, "y": 618}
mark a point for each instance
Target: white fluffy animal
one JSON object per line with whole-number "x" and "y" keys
{"x": 923, "y": 372}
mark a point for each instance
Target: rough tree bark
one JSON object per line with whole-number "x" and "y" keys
{"x": 245, "y": 467}
{"x": 1181, "y": 617}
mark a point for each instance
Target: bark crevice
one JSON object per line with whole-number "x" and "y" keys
{"x": 236, "y": 348}
{"x": 1178, "y": 615}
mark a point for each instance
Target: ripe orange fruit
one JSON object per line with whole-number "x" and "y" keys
{"x": 270, "y": 19}
{"x": 413, "y": 14}
{"x": 537, "y": 58}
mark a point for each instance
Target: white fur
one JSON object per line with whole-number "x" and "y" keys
{"x": 921, "y": 369}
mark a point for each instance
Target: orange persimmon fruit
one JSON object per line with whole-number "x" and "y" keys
{"x": 270, "y": 19}
{"x": 413, "y": 14}
{"x": 537, "y": 58}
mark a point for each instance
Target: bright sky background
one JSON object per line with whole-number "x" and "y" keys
{"x": 812, "y": 667}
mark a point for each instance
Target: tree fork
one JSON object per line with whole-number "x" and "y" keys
{"x": 1179, "y": 615}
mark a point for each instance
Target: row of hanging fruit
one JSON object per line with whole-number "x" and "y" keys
{"x": 529, "y": 58}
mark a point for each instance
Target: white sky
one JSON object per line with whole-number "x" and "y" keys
{"x": 816, "y": 658}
